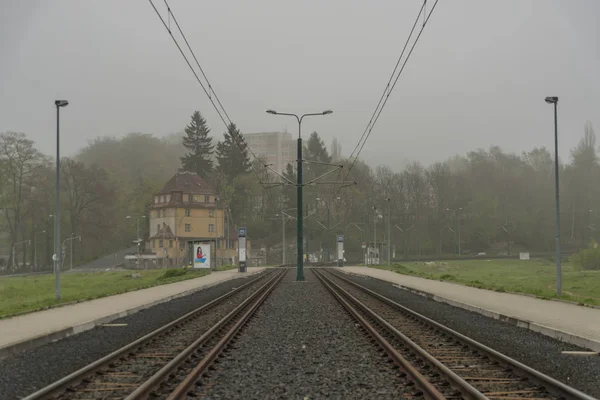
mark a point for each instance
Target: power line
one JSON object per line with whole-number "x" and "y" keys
{"x": 220, "y": 111}
{"x": 388, "y": 90}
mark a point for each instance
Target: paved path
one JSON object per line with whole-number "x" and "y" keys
{"x": 567, "y": 322}
{"x": 29, "y": 330}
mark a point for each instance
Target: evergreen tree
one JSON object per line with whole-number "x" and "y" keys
{"x": 199, "y": 146}
{"x": 232, "y": 154}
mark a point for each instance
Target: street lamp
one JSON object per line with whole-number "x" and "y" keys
{"x": 56, "y": 257}
{"x": 73, "y": 237}
{"x": 35, "y": 248}
{"x": 457, "y": 214}
{"x": 137, "y": 238}
{"x": 300, "y": 261}
{"x": 554, "y": 100}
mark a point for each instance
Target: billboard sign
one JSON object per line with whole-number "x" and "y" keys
{"x": 202, "y": 254}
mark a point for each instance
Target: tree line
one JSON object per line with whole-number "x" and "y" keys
{"x": 503, "y": 202}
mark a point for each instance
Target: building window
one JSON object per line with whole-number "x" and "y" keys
{"x": 188, "y": 227}
{"x": 170, "y": 243}
{"x": 211, "y": 227}
{"x": 157, "y": 228}
{"x": 190, "y": 198}
{"x": 188, "y": 212}
{"x": 154, "y": 244}
{"x": 206, "y": 198}
{"x": 160, "y": 243}
{"x": 182, "y": 244}
{"x": 211, "y": 213}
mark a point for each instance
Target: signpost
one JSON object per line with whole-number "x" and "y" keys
{"x": 242, "y": 249}
{"x": 340, "y": 250}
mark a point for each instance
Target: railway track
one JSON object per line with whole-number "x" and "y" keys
{"x": 165, "y": 362}
{"x": 439, "y": 360}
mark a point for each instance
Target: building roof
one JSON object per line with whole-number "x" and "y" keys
{"x": 187, "y": 182}
{"x": 164, "y": 232}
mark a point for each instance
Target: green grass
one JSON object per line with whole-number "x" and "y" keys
{"x": 535, "y": 277}
{"x": 22, "y": 294}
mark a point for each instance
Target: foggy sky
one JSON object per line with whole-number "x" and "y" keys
{"x": 478, "y": 76}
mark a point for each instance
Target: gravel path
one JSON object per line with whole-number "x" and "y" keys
{"x": 531, "y": 348}
{"x": 26, "y": 372}
{"x": 303, "y": 345}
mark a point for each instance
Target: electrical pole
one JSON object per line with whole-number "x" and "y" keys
{"x": 375, "y": 233}
{"x": 283, "y": 248}
{"x": 300, "y": 261}
{"x": 307, "y": 257}
{"x": 216, "y": 230}
{"x": 389, "y": 234}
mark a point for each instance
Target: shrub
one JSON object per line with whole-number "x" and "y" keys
{"x": 588, "y": 259}
{"x": 170, "y": 273}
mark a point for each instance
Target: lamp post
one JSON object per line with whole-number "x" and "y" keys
{"x": 457, "y": 214}
{"x": 70, "y": 239}
{"x": 554, "y": 100}
{"x": 300, "y": 261}
{"x": 15, "y": 246}
{"x": 56, "y": 257}
{"x": 138, "y": 240}
{"x": 35, "y": 258}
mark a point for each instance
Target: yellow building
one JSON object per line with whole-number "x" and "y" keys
{"x": 186, "y": 210}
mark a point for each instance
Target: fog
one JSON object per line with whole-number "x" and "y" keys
{"x": 478, "y": 76}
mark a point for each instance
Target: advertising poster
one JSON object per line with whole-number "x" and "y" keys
{"x": 202, "y": 254}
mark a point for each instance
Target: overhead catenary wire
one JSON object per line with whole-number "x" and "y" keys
{"x": 388, "y": 90}
{"x": 223, "y": 115}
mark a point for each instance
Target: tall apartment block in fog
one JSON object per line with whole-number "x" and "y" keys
{"x": 277, "y": 148}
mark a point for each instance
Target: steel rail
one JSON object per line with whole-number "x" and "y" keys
{"x": 420, "y": 381}
{"x": 64, "y": 383}
{"x": 187, "y": 384}
{"x": 456, "y": 381}
{"x": 559, "y": 388}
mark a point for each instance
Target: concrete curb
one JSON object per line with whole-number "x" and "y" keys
{"x": 562, "y": 336}
{"x": 32, "y": 342}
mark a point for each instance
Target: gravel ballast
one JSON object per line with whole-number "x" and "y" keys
{"x": 302, "y": 344}
{"x": 533, "y": 349}
{"x": 22, "y": 374}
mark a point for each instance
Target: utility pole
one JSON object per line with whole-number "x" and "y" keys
{"x": 216, "y": 231}
{"x": 388, "y": 233}
{"x": 300, "y": 260}
{"x": 374, "y": 233}
{"x": 283, "y": 248}
{"x": 456, "y": 212}
{"x": 307, "y": 256}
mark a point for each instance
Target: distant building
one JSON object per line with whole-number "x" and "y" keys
{"x": 276, "y": 148}
{"x": 184, "y": 211}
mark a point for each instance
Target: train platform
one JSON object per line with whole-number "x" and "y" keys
{"x": 563, "y": 321}
{"x": 34, "y": 329}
